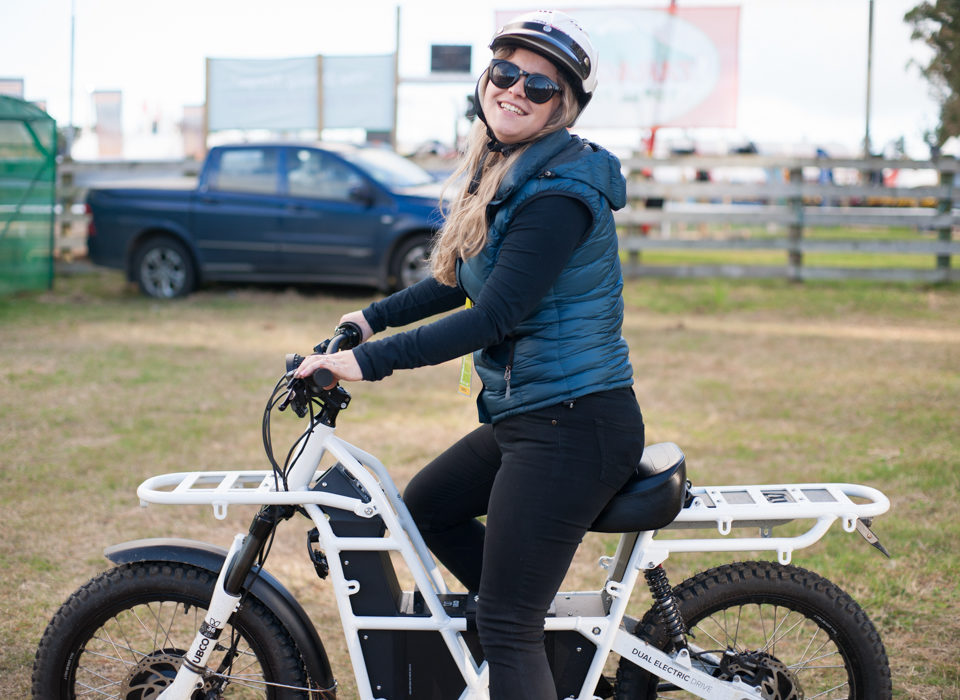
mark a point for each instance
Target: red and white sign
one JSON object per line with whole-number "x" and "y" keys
{"x": 661, "y": 67}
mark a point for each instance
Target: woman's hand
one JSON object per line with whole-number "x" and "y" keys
{"x": 343, "y": 365}
{"x": 357, "y": 317}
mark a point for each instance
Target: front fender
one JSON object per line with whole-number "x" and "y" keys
{"x": 267, "y": 589}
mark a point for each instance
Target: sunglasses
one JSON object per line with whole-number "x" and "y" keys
{"x": 537, "y": 87}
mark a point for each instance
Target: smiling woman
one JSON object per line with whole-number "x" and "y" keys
{"x": 530, "y": 241}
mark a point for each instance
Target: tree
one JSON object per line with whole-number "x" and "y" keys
{"x": 937, "y": 24}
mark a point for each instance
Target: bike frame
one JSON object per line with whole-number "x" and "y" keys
{"x": 595, "y": 615}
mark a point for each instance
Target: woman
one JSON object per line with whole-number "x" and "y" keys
{"x": 531, "y": 243}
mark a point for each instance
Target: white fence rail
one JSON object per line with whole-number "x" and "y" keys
{"x": 757, "y": 203}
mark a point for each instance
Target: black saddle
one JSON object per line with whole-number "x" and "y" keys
{"x": 652, "y": 497}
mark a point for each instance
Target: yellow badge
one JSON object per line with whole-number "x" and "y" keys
{"x": 466, "y": 367}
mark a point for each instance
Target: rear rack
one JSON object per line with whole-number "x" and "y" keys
{"x": 768, "y": 506}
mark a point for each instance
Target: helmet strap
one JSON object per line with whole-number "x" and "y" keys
{"x": 495, "y": 145}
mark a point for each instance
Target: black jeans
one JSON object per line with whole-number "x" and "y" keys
{"x": 541, "y": 478}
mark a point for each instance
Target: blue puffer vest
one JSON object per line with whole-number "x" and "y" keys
{"x": 570, "y": 344}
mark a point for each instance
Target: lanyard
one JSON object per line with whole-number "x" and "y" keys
{"x": 466, "y": 367}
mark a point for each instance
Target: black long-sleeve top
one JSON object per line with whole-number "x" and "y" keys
{"x": 542, "y": 236}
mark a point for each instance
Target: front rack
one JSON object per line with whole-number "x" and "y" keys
{"x": 222, "y": 489}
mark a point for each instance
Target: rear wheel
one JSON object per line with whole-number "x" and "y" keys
{"x": 164, "y": 268}
{"x": 784, "y": 629}
{"x": 123, "y": 635}
{"x": 410, "y": 262}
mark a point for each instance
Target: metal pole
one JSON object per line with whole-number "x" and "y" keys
{"x": 396, "y": 82}
{"x": 866, "y": 136}
{"x": 68, "y": 146}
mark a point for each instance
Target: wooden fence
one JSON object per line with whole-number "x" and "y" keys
{"x": 757, "y": 203}
{"x": 733, "y": 205}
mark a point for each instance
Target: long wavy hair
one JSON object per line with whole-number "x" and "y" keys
{"x": 464, "y": 231}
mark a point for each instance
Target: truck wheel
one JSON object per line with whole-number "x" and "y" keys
{"x": 410, "y": 262}
{"x": 164, "y": 269}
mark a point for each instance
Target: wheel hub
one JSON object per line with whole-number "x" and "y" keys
{"x": 769, "y": 674}
{"x": 153, "y": 674}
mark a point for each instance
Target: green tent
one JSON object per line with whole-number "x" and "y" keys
{"x": 28, "y": 173}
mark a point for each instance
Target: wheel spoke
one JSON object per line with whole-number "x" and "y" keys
{"x": 95, "y": 691}
{"x": 827, "y": 692}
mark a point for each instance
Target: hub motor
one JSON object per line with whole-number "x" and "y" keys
{"x": 763, "y": 671}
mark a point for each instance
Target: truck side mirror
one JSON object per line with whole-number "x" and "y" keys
{"x": 363, "y": 194}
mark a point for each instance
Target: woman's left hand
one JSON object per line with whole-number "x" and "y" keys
{"x": 342, "y": 364}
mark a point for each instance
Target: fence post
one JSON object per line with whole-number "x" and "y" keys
{"x": 65, "y": 195}
{"x": 945, "y": 206}
{"x": 795, "y": 232}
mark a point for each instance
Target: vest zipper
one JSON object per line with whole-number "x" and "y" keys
{"x": 508, "y": 370}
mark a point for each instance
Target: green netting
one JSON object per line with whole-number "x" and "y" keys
{"x": 28, "y": 167}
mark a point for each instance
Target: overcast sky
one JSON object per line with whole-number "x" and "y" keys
{"x": 802, "y": 68}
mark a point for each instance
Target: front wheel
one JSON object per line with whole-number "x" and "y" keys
{"x": 123, "y": 635}
{"x": 784, "y": 629}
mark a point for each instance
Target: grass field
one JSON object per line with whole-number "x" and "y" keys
{"x": 758, "y": 382}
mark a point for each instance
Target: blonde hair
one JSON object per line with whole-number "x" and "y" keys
{"x": 464, "y": 231}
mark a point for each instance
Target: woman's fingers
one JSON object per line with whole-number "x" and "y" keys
{"x": 343, "y": 365}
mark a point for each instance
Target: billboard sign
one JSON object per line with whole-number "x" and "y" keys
{"x": 661, "y": 67}
{"x": 358, "y": 92}
{"x": 277, "y": 94}
{"x": 284, "y": 94}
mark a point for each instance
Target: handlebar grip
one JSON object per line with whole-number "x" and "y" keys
{"x": 320, "y": 379}
{"x": 352, "y": 335}
{"x": 346, "y": 336}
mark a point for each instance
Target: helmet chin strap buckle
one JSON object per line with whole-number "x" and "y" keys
{"x": 495, "y": 145}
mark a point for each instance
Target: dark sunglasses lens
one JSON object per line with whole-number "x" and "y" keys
{"x": 504, "y": 74}
{"x": 539, "y": 88}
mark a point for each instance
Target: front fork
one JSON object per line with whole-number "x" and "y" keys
{"x": 227, "y": 593}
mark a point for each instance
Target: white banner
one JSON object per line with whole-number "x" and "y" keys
{"x": 275, "y": 94}
{"x": 358, "y": 92}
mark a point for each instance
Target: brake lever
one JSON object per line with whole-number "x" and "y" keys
{"x": 297, "y": 394}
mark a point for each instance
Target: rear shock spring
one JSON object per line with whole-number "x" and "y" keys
{"x": 666, "y": 606}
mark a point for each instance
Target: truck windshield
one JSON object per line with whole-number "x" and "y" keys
{"x": 389, "y": 168}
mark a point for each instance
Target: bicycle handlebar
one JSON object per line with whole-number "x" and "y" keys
{"x": 346, "y": 336}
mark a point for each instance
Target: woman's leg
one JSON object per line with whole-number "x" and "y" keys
{"x": 446, "y": 497}
{"x": 560, "y": 467}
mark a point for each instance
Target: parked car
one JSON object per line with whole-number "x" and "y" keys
{"x": 276, "y": 212}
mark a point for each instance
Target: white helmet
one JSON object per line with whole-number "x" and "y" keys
{"x": 558, "y": 37}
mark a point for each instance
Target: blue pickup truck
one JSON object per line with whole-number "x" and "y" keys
{"x": 277, "y": 212}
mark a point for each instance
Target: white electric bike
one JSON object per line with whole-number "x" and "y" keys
{"x": 180, "y": 619}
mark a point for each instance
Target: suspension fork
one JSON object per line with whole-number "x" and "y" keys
{"x": 227, "y": 595}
